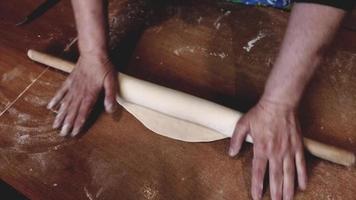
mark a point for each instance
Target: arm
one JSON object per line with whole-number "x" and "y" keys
{"x": 91, "y": 26}
{"x": 272, "y": 123}
{"x": 310, "y": 30}
{"x": 92, "y": 74}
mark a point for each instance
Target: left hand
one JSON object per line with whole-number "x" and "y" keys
{"x": 79, "y": 93}
{"x": 277, "y": 140}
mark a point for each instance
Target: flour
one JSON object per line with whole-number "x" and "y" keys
{"x": 36, "y": 101}
{"x": 98, "y": 193}
{"x": 199, "y": 19}
{"x": 23, "y": 138}
{"x": 149, "y": 192}
{"x": 102, "y": 181}
{"x": 201, "y": 50}
{"x": 11, "y": 75}
{"x": 87, "y": 193}
{"x": 4, "y": 99}
{"x": 217, "y": 26}
{"x": 252, "y": 42}
{"x": 217, "y": 21}
{"x": 23, "y": 92}
{"x": 21, "y": 118}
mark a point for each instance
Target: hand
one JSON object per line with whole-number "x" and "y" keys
{"x": 277, "y": 140}
{"x": 80, "y": 92}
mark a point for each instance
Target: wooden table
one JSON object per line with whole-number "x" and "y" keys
{"x": 196, "y": 48}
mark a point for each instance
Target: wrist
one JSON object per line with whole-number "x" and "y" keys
{"x": 97, "y": 54}
{"x": 278, "y": 104}
{"x": 95, "y": 60}
{"x": 283, "y": 92}
{"x": 92, "y": 47}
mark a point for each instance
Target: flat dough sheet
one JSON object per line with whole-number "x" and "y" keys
{"x": 169, "y": 126}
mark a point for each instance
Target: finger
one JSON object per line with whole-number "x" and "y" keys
{"x": 110, "y": 86}
{"x": 62, "y": 111}
{"x": 86, "y": 107}
{"x": 70, "y": 117}
{"x": 288, "y": 177}
{"x": 59, "y": 95}
{"x": 238, "y": 137}
{"x": 258, "y": 172}
{"x": 276, "y": 178}
{"x": 301, "y": 169}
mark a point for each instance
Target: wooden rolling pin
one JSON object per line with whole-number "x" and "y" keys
{"x": 317, "y": 149}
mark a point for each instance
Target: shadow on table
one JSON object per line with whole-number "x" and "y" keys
{"x": 9, "y": 192}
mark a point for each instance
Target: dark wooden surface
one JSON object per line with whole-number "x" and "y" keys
{"x": 118, "y": 158}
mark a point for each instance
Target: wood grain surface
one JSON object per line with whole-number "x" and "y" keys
{"x": 193, "y": 47}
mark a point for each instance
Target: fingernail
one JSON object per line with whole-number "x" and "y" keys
{"x": 111, "y": 108}
{"x": 75, "y": 132}
{"x": 50, "y": 105}
{"x": 65, "y": 130}
{"x": 55, "y": 125}
{"x": 232, "y": 152}
{"x": 303, "y": 187}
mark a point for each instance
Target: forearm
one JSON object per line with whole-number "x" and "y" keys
{"x": 310, "y": 30}
{"x": 91, "y": 26}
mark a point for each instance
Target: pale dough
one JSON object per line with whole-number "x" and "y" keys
{"x": 176, "y": 114}
{"x": 170, "y": 126}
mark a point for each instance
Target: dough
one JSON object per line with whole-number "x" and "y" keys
{"x": 176, "y": 114}
{"x": 169, "y": 126}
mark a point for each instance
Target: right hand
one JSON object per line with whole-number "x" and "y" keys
{"x": 80, "y": 92}
{"x": 278, "y": 143}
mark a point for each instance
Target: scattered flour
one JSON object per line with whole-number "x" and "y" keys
{"x": 36, "y": 101}
{"x": 98, "y": 193}
{"x": 217, "y": 26}
{"x": 149, "y": 192}
{"x": 200, "y": 19}
{"x": 90, "y": 196}
{"x": 11, "y": 75}
{"x": 23, "y": 139}
{"x": 198, "y": 49}
{"x": 21, "y": 117}
{"x": 217, "y": 21}
{"x": 252, "y": 42}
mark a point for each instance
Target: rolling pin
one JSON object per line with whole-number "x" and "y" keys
{"x": 203, "y": 112}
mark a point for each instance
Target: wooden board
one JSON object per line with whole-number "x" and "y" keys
{"x": 118, "y": 158}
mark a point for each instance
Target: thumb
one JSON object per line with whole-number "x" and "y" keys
{"x": 241, "y": 130}
{"x": 110, "y": 87}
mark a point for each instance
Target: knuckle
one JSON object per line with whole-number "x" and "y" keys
{"x": 61, "y": 115}
{"x": 65, "y": 102}
{"x": 69, "y": 118}
{"x": 258, "y": 150}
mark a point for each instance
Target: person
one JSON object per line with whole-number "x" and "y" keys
{"x": 272, "y": 122}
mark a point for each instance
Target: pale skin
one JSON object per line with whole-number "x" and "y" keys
{"x": 272, "y": 122}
